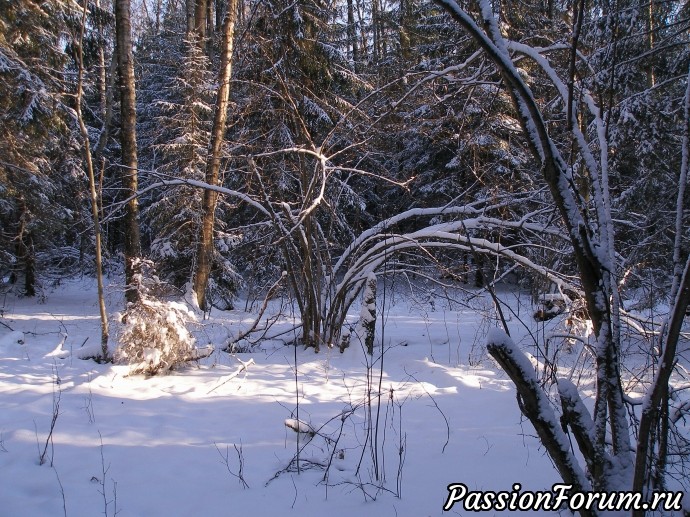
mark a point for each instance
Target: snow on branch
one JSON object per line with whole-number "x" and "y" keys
{"x": 576, "y": 415}
{"x": 534, "y": 404}
{"x": 197, "y": 184}
{"x": 593, "y": 255}
{"x": 436, "y": 75}
{"x": 598, "y": 170}
{"x": 438, "y": 237}
{"x": 469, "y": 209}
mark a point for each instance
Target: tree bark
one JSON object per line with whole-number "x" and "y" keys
{"x": 200, "y": 13}
{"x": 205, "y": 247}
{"x": 210, "y": 26}
{"x": 92, "y": 188}
{"x": 128, "y": 143}
{"x": 29, "y": 266}
{"x": 368, "y": 313}
{"x": 189, "y": 13}
{"x": 376, "y": 51}
{"x": 352, "y": 34}
{"x": 25, "y": 249}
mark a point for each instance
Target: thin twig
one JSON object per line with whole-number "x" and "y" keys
{"x": 62, "y": 492}
{"x": 56, "y": 413}
{"x": 437, "y": 407}
{"x": 269, "y": 295}
{"x": 225, "y": 460}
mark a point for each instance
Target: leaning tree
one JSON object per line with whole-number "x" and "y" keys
{"x": 604, "y": 436}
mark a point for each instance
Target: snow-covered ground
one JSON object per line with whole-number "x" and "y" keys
{"x": 171, "y": 445}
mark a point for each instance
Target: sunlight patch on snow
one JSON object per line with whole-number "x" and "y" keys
{"x": 54, "y": 317}
{"x": 475, "y": 378}
{"x": 26, "y": 383}
{"x": 126, "y": 438}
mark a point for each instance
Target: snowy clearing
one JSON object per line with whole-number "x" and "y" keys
{"x": 173, "y": 445}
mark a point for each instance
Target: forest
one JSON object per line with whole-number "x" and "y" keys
{"x": 231, "y": 177}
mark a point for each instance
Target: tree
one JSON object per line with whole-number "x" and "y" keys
{"x": 176, "y": 112}
{"x": 88, "y": 160}
{"x": 205, "y": 247}
{"x": 589, "y": 224}
{"x": 128, "y": 142}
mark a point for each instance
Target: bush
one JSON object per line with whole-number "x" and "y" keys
{"x": 154, "y": 336}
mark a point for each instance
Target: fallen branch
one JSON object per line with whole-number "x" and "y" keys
{"x": 239, "y": 370}
{"x": 299, "y": 426}
{"x": 199, "y": 353}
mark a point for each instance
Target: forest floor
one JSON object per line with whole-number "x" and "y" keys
{"x": 178, "y": 444}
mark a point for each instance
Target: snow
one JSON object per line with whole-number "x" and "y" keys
{"x": 499, "y": 338}
{"x": 299, "y": 426}
{"x": 13, "y": 338}
{"x": 165, "y": 445}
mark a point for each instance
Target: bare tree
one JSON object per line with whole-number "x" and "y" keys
{"x": 88, "y": 159}
{"x": 589, "y": 225}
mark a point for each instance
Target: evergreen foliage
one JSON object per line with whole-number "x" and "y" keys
{"x": 41, "y": 185}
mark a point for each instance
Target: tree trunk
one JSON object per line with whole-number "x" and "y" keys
{"x": 102, "y": 75}
{"x": 29, "y": 266}
{"x": 200, "y": 12}
{"x": 220, "y": 13}
{"x": 128, "y": 143}
{"x": 25, "y": 250}
{"x": 362, "y": 36}
{"x": 205, "y": 248}
{"x": 189, "y": 13}
{"x": 592, "y": 254}
{"x": 404, "y": 32}
{"x": 367, "y": 316}
{"x": 376, "y": 51}
{"x": 210, "y": 27}
{"x": 352, "y": 34}
{"x": 92, "y": 188}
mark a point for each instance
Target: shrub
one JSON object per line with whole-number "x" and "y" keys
{"x": 154, "y": 336}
